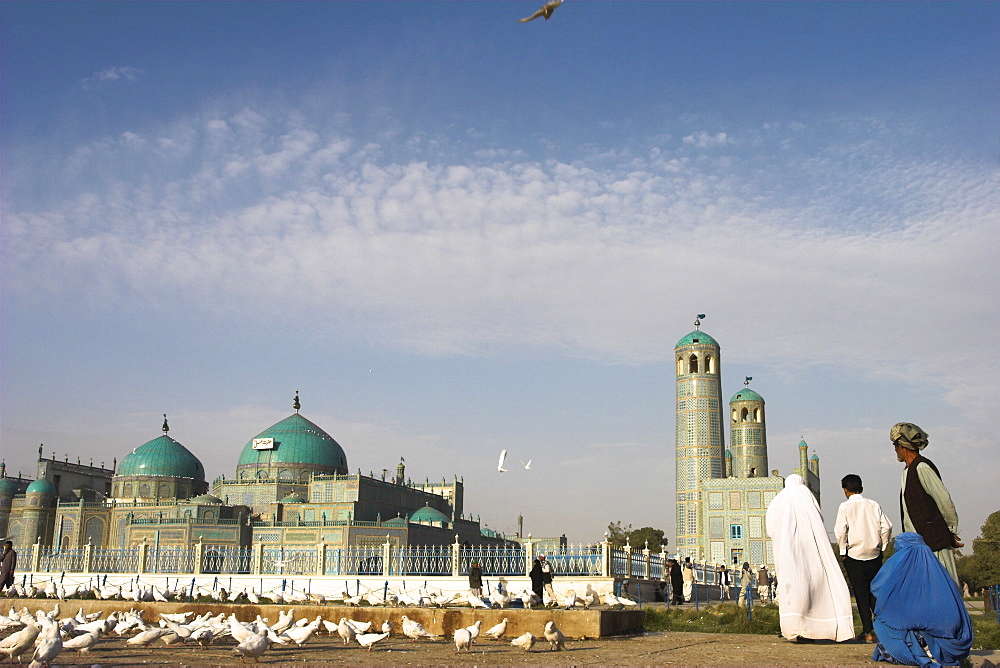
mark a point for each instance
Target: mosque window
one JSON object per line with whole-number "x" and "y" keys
{"x": 144, "y": 490}
{"x": 710, "y": 364}
{"x": 736, "y": 531}
{"x": 262, "y": 475}
{"x": 734, "y": 415}
{"x": 284, "y": 474}
{"x": 680, "y": 365}
{"x": 693, "y": 364}
{"x": 743, "y": 414}
{"x": 756, "y": 415}
{"x": 128, "y": 490}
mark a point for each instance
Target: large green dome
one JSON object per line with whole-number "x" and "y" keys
{"x": 428, "y": 514}
{"x": 41, "y": 486}
{"x": 297, "y": 446}
{"x": 697, "y": 338}
{"x": 163, "y": 456}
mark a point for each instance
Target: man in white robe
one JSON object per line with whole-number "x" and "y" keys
{"x": 813, "y": 600}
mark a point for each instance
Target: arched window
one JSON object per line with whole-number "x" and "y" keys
{"x": 262, "y": 474}
{"x": 743, "y": 414}
{"x": 680, "y": 365}
{"x": 756, "y": 415}
{"x": 128, "y": 490}
{"x": 734, "y": 415}
{"x": 144, "y": 490}
{"x": 284, "y": 474}
{"x": 710, "y": 364}
{"x": 693, "y": 364}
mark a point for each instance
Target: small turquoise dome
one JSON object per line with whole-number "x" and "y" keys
{"x": 41, "y": 486}
{"x": 7, "y": 487}
{"x": 729, "y": 453}
{"x": 293, "y": 498}
{"x": 489, "y": 533}
{"x": 803, "y": 444}
{"x": 163, "y": 456}
{"x": 395, "y": 522}
{"x": 815, "y": 457}
{"x": 428, "y": 514}
{"x": 296, "y": 443}
{"x": 697, "y": 338}
{"x": 746, "y": 394}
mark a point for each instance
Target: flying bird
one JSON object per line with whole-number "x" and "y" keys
{"x": 503, "y": 456}
{"x": 528, "y": 465}
{"x": 545, "y": 11}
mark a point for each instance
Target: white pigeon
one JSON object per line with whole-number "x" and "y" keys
{"x": 148, "y": 637}
{"x": 82, "y": 643}
{"x": 47, "y": 647}
{"x": 496, "y": 632}
{"x": 284, "y": 622}
{"x": 17, "y": 644}
{"x": 474, "y": 629}
{"x": 569, "y": 600}
{"x": 346, "y": 631}
{"x": 557, "y": 641}
{"x": 387, "y": 627}
{"x": 475, "y": 601}
{"x": 503, "y": 456}
{"x": 463, "y": 640}
{"x": 529, "y": 599}
{"x": 300, "y": 634}
{"x": 626, "y": 601}
{"x": 368, "y": 640}
{"x": 413, "y": 629}
{"x": 253, "y": 646}
{"x": 525, "y": 641}
{"x": 359, "y": 627}
{"x": 612, "y": 601}
{"x": 526, "y": 466}
{"x": 498, "y": 599}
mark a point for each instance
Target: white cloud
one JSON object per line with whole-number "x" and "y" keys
{"x": 847, "y": 255}
{"x": 111, "y": 74}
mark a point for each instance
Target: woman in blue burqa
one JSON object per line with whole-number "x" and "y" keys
{"x": 920, "y": 618}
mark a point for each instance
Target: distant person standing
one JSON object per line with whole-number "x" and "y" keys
{"x": 746, "y": 582}
{"x": 763, "y": 584}
{"x": 676, "y": 583}
{"x": 8, "y": 562}
{"x": 925, "y": 504}
{"x": 688, "y": 575}
{"x": 723, "y": 579}
{"x": 862, "y": 531}
{"x": 541, "y": 579}
{"x": 476, "y": 579}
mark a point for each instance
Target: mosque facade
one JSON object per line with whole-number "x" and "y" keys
{"x": 722, "y": 493}
{"x": 291, "y": 486}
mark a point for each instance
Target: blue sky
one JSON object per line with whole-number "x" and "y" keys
{"x": 456, "y": 233}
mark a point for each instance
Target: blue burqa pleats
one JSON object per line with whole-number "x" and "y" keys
{"x": 920, "y": 618}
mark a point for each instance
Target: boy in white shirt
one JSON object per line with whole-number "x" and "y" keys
{"x": 862, "y": 531}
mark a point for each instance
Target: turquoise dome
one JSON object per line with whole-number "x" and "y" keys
{"x": 293, "y": 498}
{"x": 746, "y": 394}
{"x": 803, "y": 444}
{"x": 815, "y": 457}
{"x": 7, "y": 487}
{"x": 163, "y": 456}
{"x": 41, "y": 486}
{"x": 697, "y": 338}
{"x": 428, "y": 514}
{"x": 395, "y": 522}
{"x": 297, "y": 443}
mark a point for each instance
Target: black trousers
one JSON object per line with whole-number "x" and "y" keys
{"x": 861, "y": 574}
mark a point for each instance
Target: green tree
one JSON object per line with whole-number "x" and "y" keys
{"x": 618, "y": 535}
{"x": 982, "y": 567}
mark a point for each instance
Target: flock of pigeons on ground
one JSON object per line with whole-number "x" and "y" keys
{"x": 44, "y": 635}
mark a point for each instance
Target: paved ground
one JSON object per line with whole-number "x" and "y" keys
{"x": 647, "y": 649}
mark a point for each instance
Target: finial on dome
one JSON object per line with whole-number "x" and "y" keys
{"x": 165, "y": 427}
{"x": 746, "y": 383}
{"x": 697, "y": 321}
{"x": 296, "y": 405}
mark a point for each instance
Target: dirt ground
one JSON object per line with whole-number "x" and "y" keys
{"x": 648, "y": 649}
